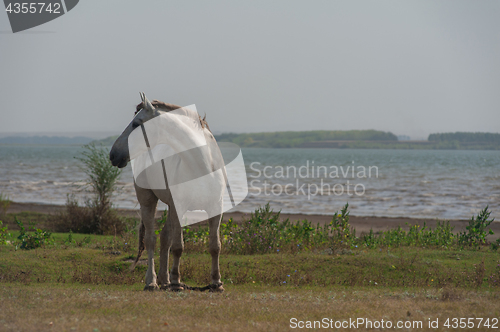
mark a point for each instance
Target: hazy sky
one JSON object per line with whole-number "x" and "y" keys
{"x": 410, "y": 67}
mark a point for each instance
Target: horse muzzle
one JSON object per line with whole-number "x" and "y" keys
{"x": 118, "y": 160}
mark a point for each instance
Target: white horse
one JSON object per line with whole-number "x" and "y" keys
{"x": 171, "y": 234}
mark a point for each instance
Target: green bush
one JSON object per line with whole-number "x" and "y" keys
{"x": 89, "y": 220}
{"x": 263, "y": 233}
{"x": 32, "y": 240}
{"x": 342, "y": 232}
{"x": 476, "y": 230}
{"x": 97, "y": 215}
{"x": 495, "y": 245}
{"x": 101, "y": 175}
{"x": 3, "y": 234}
{"x": 442, "y": 236}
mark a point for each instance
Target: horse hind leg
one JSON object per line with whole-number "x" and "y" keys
{"x": 176, "y": 248}
{"x": 147, "y": 216}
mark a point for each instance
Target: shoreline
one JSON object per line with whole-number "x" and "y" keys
{"x": 361, "y": 224}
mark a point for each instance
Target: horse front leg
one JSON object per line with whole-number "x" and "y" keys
{"x": 147, "y": 216}
{"x": 214, "y": 249}
{"x": 165, "y": 244}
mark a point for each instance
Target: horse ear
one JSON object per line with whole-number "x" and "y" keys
{"x": 146, "y": 102}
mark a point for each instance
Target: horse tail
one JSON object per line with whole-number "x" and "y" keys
{"x": 142, "y": 230}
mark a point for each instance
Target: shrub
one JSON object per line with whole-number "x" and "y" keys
{"x": 342, "y": 232}
{"x": 263, "y": 233}
{"x": 97, "y": 215}
{"x": 475, "y": 234}
{"x": 32, "y": 240}
{"x": 3, "y": 234}
{"x": 442, "y": 236}
{"x": 101, "y": 175}
{"x": 260, "y": 234}
{"x": 89, "y": 220}
{"x": 495, "y": 245}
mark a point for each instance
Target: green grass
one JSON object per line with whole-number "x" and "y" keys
{"x": 65, "y": 288}
{"x": 103, "y": 261}
{"x": 82, "y": 282}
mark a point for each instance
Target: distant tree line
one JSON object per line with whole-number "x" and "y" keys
{"x": 354, "y": 139}
{"x": 49, "y": 140}
{"x": 464, "y": 137}
{"x": 108, "y": 141}
{"x": 290, "y": 139}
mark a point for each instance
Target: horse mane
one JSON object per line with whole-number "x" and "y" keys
{"x": 170, "y": 107}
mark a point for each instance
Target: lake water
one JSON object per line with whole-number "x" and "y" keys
{"x": 411, "y": 183}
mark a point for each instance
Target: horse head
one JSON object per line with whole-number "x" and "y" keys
{"x": 145, "y": 111}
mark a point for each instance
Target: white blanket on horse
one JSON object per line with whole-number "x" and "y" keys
{"x": 174, "y": 150}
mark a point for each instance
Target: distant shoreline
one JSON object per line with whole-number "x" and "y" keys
{"x": 335, "y": 145}
{"x": 326, "y": 139}
{"x": 362, "y": 139}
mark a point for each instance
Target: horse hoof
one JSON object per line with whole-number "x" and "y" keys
{"x": 176, "y": 287}
{"x": 216, "y": 289}
{"x": 151, "y": 287}
{"x": 165, "y": 287}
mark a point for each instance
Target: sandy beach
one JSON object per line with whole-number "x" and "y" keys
{"x": 361, "y": 224}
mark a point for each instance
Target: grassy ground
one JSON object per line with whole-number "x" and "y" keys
{"x": 87, "y": 287}
{"x": 102, "y": 260}
{"x": 82, "y": 282}
{"x": 56, "y": 307}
